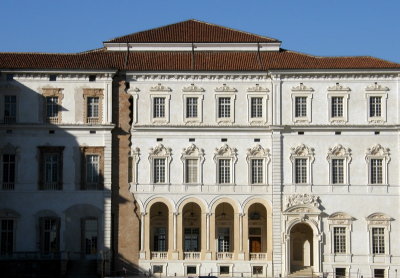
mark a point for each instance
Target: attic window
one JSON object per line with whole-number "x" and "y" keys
{"x": 92, "y": 78}
{"x": 52, "y": 77}
{"x": 10, "y": 76}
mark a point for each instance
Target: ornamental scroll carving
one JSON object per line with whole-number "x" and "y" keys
{"x": 257, "y": 88}
{"x": 338, "y": 151}
{"x": 225, "y": 88}
{"x": 302, "y": 88}
{"x": 192, "y": 150}
{"x": 303, "y": 199}
{"x": 193, "y": 89}
{"x": 376, "y": 87}
{"x": 302, "y": 151}
{"x": 378, "y": 151}
{"x": 338, "y": 87}
{"x": 160, "y": 88}
{"x": 379, "y": 218}
{"x": 257, "y": 150}
{"x": 160, "y": 150}
{"x": 340, "y": 218}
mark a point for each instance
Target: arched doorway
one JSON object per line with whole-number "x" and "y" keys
{"x": 224, "y": 233}
{"x": 257, "y": 231}
{"x": 191, "y": 230}
{"x": 159, "y": 230}
{"x": 301, "y": 247}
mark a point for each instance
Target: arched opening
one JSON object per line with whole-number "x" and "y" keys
{"x": 159, "y": 214}
{"x": 257, "y": 233}
{"x": 301, "y": 247}
{"x": 191, "y": 229}
{"x": 224, "y": 230}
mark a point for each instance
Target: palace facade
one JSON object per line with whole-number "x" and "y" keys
{"x": 195, "y": 149}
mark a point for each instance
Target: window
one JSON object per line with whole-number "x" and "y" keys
{"x": 256, "y": 107}
{"x": 340, "y": 272}
{"x": 8, "y": 171}
{"x": 257, "y": 170}
{"x": 339, "y": 238}
{"x": 160, "y": 159}
{"x": 157, "y": 269}
{"x": 191, "y": 270}
{"x": 92, "y": 78}
{"x": 224, "y": 107}
{"x": 191, "y": 170}
{"x": 7, "y": 237}
{"x": 223, "y": 239}
{"x": 225, "y": 157}
{"x": 92, "y": 168}
{"x": 159, "y": 107}
{"x": 93, "y": 109}
{"x": 159, "y": 170}
{"x": 53, "y": 77}
{"x": 52, "y": 109}
{"x": 257, "y": 270}
{"x": 49, "y": 234}
{"x": 376, "y": 171}
{"x": 191, "y": 243}
{"x": 10, "y": 109}
{"x": 52, "y": 104}
{"x": 9, "y": 76}
{"x": 89, "y": 233}
{"x": 301, "y": 170}
{"x": 50, "y": 168}
{"x": 375, "y": 106}
{"x": 378, "y": 159}
{"x": 223, "y": 270}
{"x": 224, "y": 166}
{"x": 302, "y": 157}
{"x": 337, "y": 107}
{"x": 337, "y": 171}
{"x": 379, "y": 273}
{"x": 300, "y": 107}
{"x": 378, "y": 241}
{"x": 339, "y": 159}
{"x": 160, "y": 239}
{"x": 191, "y": 107}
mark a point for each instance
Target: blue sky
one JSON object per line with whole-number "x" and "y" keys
{"x": 319, "y": 27}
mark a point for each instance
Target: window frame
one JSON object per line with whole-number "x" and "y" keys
{"x": 302, "y": 152}
{"x": 9, "y": 150}
{"x": 383, "y": 96}
{"x": 10, "y": 119}
{"x": 160, "y": 91}
{"x": 339, "y": 152}
{"x": 42, "y": 231}
{"x": 381, "y": 221}
{"x": 49, "y": 93}
{"x": 225, "y": 92}
{"x": 345, "y": 96}
{"x": 93, "y": 93}
{"x": 258, "y": 152}
{"x": 377, "y": 152}
{"x": 263, "y": 94}
{"x": 340, "y": 220}
{"x": 14, "y": 221}
{"x": 230, "y": 154}
{"x": 160, "y": 152}
{"x": 43, "y": 152}
{"x": 92, "y": 151}
{"x": 192, "y": 152}
{"x": 199, "y": 118}
{"x": 302, "y": 91}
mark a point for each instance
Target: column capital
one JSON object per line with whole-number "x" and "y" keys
{"x": 209, "y": 214}
{"x": 143, "y": 213}
{"x": 176, "y": 213}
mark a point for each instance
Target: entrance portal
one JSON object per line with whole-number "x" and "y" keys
{"x": 301, "y": 247}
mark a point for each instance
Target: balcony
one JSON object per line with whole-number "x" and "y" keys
{"x": 92, "y": 120}
{"x": 8, "y": 186}
{"x": 191, "y": 255}
{"x": 52, "y": 120}
{"x": 159, "y": 255}
{"x": 258, "y": 256}
{"x": 10, "y": 119}
{"x": 51, "y": 186}
{"x": 224, "y": 255}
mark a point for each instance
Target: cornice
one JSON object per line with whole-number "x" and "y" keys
{"x": 67, "y": 76}
{"x": 191, "y": 77}
{"x": 336, "y": 76}
{"x": 26, "y": 126}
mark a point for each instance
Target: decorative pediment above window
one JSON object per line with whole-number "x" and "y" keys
{"x": 379, "y": 218}
{"x": 257, "y": 88}
{"x": 338, "y": 87}
{"x": 257, "y": 151}
{"x": 225, "y": 89}
{"x": 302, "y": 151}
{"x": 50, "y": 92}
{"x": 133, "y": 90}
{"x": 338, "y": 151}
{"x": 160, "y": 150}
{"x": 225, "y": 151}
{"x": 379, "y": 152}
{"x": 303, "y": 200}
{"x": 193, "y": 89}
{"x": 376, "y": 87}
{"x": 9, "y": 213}
{"x": 91, "y": 92}
{"x": 160, "y": 88}
{"x": 302, "y": 88}
{"x": 192, "y": 151}
{"x": 340, "y": 218}
{"x": 9, "y": 87}
{"x": 9, "y": 149}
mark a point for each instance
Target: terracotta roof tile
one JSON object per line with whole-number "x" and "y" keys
{"x": 191, "y": 31}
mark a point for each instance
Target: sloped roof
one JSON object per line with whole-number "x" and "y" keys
{"x": 191, "y": 31}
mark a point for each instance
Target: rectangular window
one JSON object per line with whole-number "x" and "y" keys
{"x": 160, "y": 239}
{"x": 92, "y": 169}
{"x": 257, "y": 270}
{"x": 378, "y": 241}
{"x": 339, "y": 240}
{"x": 90, "y": 236}
{"x": 257, "y": 171}
{"x": 52, "y": 109}
{"x": 223, "y": 240}
{"x": 8, "y": 171}
{"x": 191, "y": 171}
{"x": 376, "y": 171}
{"x": 337, "y": 107}
{"x": 300, "y": 107}
{"x": 92, "y": 108}
{"x": 300, "y": 170}
{"x": 7, "y": 237}
{"x": 159, "y": 107}
{"x": 191, "y": 107}
{"x": 375, "y": 106}
{"x": 224, "y": 107}
{"x": 51, "y": 176}
{"x": 50, "y": 168}
{"x": 49, "y": 234}
{"x": 191, "y": 270}
{"x": 159, "y": 170}
{"x": 10, "y": 109}
{"x": 157, "y": 269}
{"x": 191, "y": 243}
{"x": 379, "y": 273}
{"x": 256, "y": 107}
{"x": 224, "y": 167}
{"x": 337, "y": 171}
{"x": 224, "y": 270}
{"x": 340, "y": 272}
